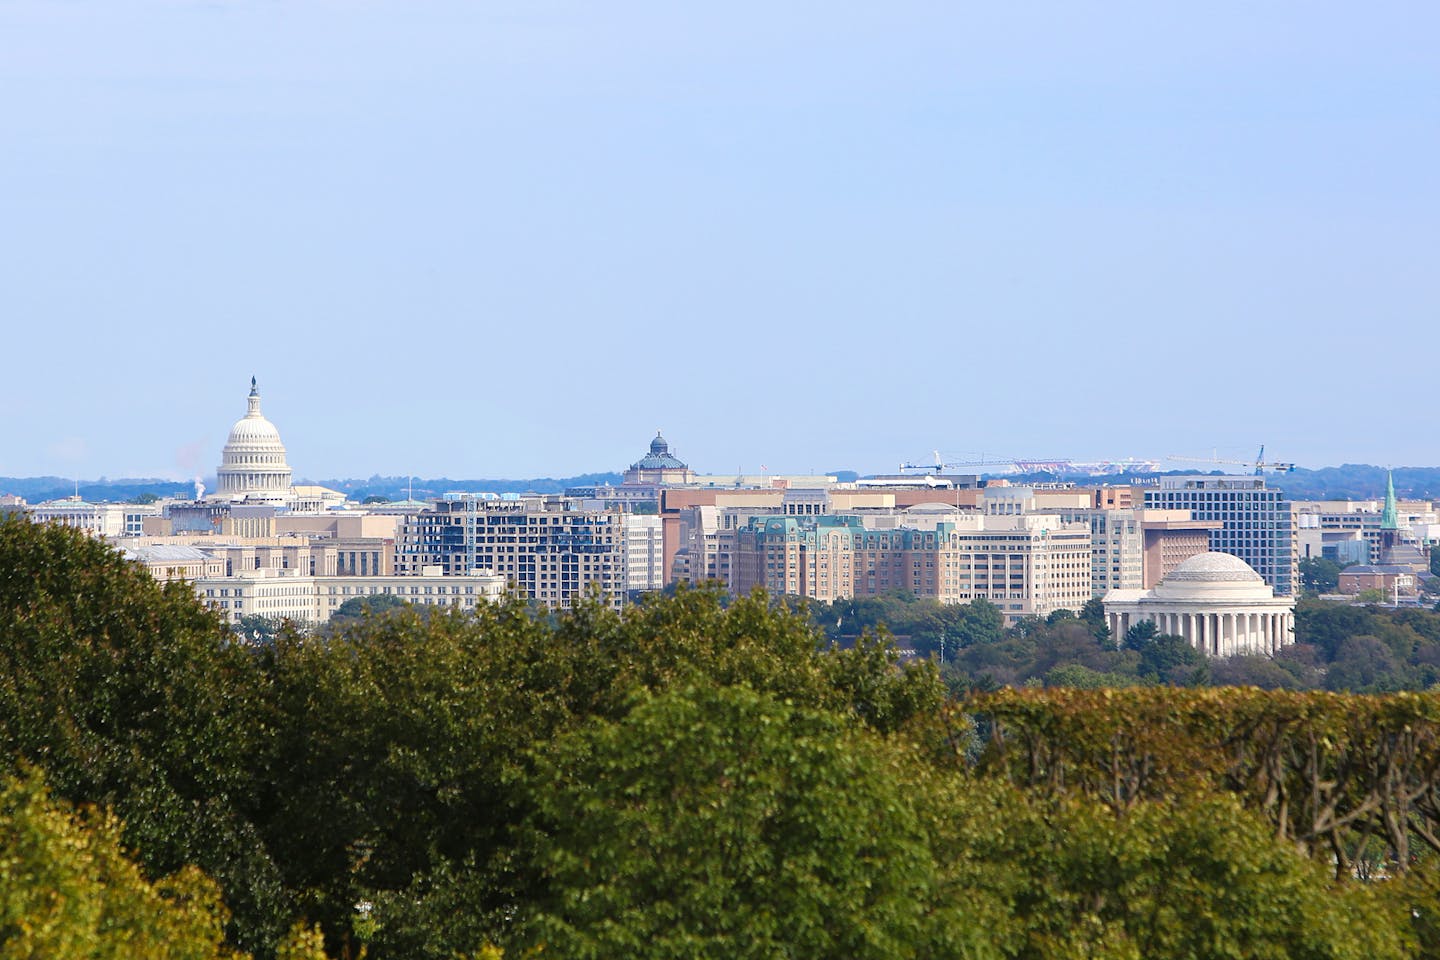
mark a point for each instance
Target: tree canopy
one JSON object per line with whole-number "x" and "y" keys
{"x": 697, "y": 775}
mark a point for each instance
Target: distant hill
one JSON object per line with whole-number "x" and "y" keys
{"x": 38, "y": 489}
{"x": 1352, "y": 481}
{"x": 398, "y": 488}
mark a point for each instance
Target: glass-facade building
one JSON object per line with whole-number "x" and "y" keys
{"x": 1258, "y": 524}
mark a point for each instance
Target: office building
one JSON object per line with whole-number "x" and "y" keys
{"x": 1027, "y": 565}
{"x": 548, "y": 548}
{"x": 1257, "y": 524}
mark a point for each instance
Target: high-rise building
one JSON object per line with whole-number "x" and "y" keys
{"x": 1257, "y": 524}
{"x": 549, "y": 548}
{"x": 644, "y": 553}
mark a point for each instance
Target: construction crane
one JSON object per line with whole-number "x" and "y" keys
{"x": 1041, "y": 465}
{"x": 941, "y": 464}
{"x": 1259, "y": 463}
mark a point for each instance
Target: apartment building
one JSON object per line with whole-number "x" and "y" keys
{"x": 1025, "y": 564}
{"x": 1257, "y": 524}
{"x": 549, "y": 548}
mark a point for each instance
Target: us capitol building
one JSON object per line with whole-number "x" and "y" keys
{"x": 252, "y": 465}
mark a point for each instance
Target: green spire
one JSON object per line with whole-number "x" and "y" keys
{"x": 1389, "y": 516}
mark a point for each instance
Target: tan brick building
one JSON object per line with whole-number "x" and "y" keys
{"x": 1026, "y": 565}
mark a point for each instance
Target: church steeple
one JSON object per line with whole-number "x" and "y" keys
{"x": 1390, "y": 516}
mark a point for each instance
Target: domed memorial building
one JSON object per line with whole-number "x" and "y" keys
{"x": 1215, "y": 601}
{"x": 252, "y": 465}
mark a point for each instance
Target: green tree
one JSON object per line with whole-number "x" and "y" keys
{"x": 369, "y": 606}
{"x": 400, "y": 768}
{"x": 1140, "y": 635}
{"x": 1252, "y": 671}
{"x": 980, "y": 622}
{"x": 721, "y": 822}
{"x": 258, "y": 628}
{"x": 132, "y": 695}
{"x": 1319, "y": 575}
{"x": 1172, "y": 660}
{"x": 68, "y": 890}
{"x": 1366, "y": 665}
{"x": 1189, "y": 877}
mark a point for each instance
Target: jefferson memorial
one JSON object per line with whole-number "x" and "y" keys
{"x": 1215, "y": 601}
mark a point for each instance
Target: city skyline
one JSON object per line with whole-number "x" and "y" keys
{"x": 480, "y": 241}
{"x": 1235, "y": 462}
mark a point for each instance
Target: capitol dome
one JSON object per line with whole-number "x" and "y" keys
{"x": 252, "y": 465}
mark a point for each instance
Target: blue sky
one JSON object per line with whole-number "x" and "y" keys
{"x": 513, "y": 239}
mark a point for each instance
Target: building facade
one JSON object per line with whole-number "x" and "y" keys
{"x": 109, "y": 520}
{"x": 658, "y": 467}
{"x": 644, "y": 553}
{"x": 307, "y": 600}
{"x": 253, "y": 464}
{"x": 1257, "y": 524}
{"x": 546, "y": 548}
{"x": 1215, "y": 601}
{"x": 1027, "y": 565}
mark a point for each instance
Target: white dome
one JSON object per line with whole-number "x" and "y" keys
{"x": 253, "y": 429}
{"x": 1213, "y": 575}
{"x": 1213, "y": 568}
{"x": 253, "y": 463}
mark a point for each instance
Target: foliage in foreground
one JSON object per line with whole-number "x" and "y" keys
{"x": 68, "y": 890}
{"x": 686, "y": 778}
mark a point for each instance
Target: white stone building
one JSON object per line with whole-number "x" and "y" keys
{"x": 644, "y": 553}
{"x": 286, "y": 595}
{"x": 1215, "y": 601}
{"x": 108, "y": 520}
{"x": 253, "y": 465}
